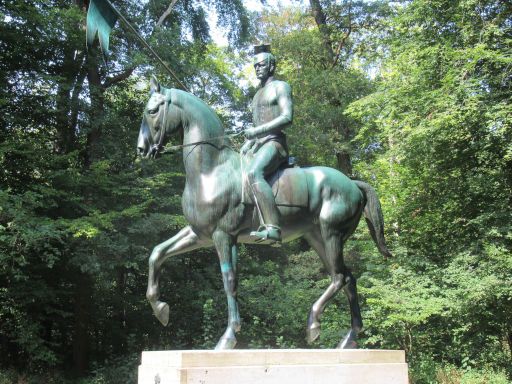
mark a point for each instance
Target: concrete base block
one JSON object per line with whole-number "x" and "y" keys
{"x": 277, "y": 366}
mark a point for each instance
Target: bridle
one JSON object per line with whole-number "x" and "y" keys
{"x": 159, "y": 148}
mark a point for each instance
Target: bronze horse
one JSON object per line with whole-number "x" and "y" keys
{"x": 317, "y": 203}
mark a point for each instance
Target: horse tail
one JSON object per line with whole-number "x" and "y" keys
{"x": 374, "y": 218}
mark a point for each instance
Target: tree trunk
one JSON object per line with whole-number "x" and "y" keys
{"x": 97, "y": 111}
{"x": 119, "y": 339}
{"x": 321, "y": 22}
{"x": 344, "y": 162}
{"x": 509, "y": 340}
{"x": 69, "y": 88}
{"x": 83, "y": 291}
{"x": 71, "y": 79}
{"x": 342, "y": 157}
{"x": 75, "y": 95}
{"x": 97, "y": 89}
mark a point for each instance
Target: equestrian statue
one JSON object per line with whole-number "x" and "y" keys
{"x": 254, "y": 197}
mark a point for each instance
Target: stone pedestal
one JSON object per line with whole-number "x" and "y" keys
{"x": 277, "y": 366}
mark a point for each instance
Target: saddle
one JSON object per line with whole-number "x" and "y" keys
{"x": 288, "y": 184}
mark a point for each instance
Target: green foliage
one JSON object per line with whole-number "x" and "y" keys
{"x": 119, "y": 370}
{"x": 78, "y": 213}
{"x": 452, "y": 375}
{"x": 435, "y": 138}
{"x": 275, "y": 297}
{"x": 417, "y": 103}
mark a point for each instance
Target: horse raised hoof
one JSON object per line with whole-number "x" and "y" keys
{"x": 312, "y": 333}
{"x": 162, "y": 313}
{"x": 349, "y": 341}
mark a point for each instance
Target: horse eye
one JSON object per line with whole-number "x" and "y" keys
{"x": 153, "y": 111}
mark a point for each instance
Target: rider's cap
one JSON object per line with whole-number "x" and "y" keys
{"x": 261, "y": 48}
{"x": 262, "y": 52}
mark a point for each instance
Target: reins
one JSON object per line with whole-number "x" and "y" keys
{"x": 174, "y": 148}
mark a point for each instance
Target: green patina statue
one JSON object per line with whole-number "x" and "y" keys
{"x": 320, "y": 204}
{"x": 265, "y": 147}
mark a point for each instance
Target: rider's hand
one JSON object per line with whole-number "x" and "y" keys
{"x": 250, "y": 133}
{"x": 247, "y": 147}
{"x": 257, "y": 144}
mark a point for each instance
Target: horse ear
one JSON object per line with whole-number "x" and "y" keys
{"x": 154, "y": 86}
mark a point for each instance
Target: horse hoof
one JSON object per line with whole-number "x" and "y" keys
{"x": 312, "y": 333}
{"x": 162, "y": 313}
{"x": 347, "y": 343}
{"x": 225, "y": 343}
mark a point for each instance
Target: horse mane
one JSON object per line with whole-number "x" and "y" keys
{"x": 197, "y": 110}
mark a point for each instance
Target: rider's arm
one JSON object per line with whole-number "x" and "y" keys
{"x": 284, "y": 101}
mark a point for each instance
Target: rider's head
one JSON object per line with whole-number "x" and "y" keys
{"x": 264, "y": 62}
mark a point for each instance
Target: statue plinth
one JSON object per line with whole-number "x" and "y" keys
{"x": 274, "y": 366}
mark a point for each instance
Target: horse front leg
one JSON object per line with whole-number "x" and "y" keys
{"x": 227, "y": 251}
{"x": 184, "y": 241}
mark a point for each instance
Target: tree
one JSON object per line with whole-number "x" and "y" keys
{"x": 76, "y": 220}
{"x": 437, "y": 140}
{"x": 318, "y": 55}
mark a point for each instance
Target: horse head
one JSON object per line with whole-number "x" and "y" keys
{"x": 160, "y": 120}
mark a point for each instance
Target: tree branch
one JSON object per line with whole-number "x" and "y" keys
{"x": 118, "y": 78}
{"x": 342, "y": 42}
{"x": 166, "y": 13}
{"x": 321, "y": 22}
{"x": 340, "y": 46}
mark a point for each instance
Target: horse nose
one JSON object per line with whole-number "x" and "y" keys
{"x": 142, "y": 148}
{"x": 142, "y": 145}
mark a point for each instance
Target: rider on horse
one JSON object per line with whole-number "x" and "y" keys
{"x": 265, "y": 146}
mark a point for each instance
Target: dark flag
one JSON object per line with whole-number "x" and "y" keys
{"x": 101, "y": 18}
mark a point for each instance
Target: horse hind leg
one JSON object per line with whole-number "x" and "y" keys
{"x": 328, "y": 243}
{"x": 350, "y": 288}
{"x": 323, "y": 249}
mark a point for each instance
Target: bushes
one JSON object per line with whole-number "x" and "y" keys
{"x": 121, "y": 370}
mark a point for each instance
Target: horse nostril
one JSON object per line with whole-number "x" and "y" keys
{"x": 140, "y": 151}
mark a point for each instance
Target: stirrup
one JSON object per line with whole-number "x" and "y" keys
{"x": 268, "y": 234}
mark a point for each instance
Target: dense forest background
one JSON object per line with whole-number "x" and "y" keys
{"x": 413, "y": 97}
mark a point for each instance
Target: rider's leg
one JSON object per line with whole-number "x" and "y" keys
{"x": 265, "y": 161}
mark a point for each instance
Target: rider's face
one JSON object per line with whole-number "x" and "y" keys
{"x": 263, "y": 70}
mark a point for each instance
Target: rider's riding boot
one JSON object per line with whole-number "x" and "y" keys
{"x": 269, "y": 231}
